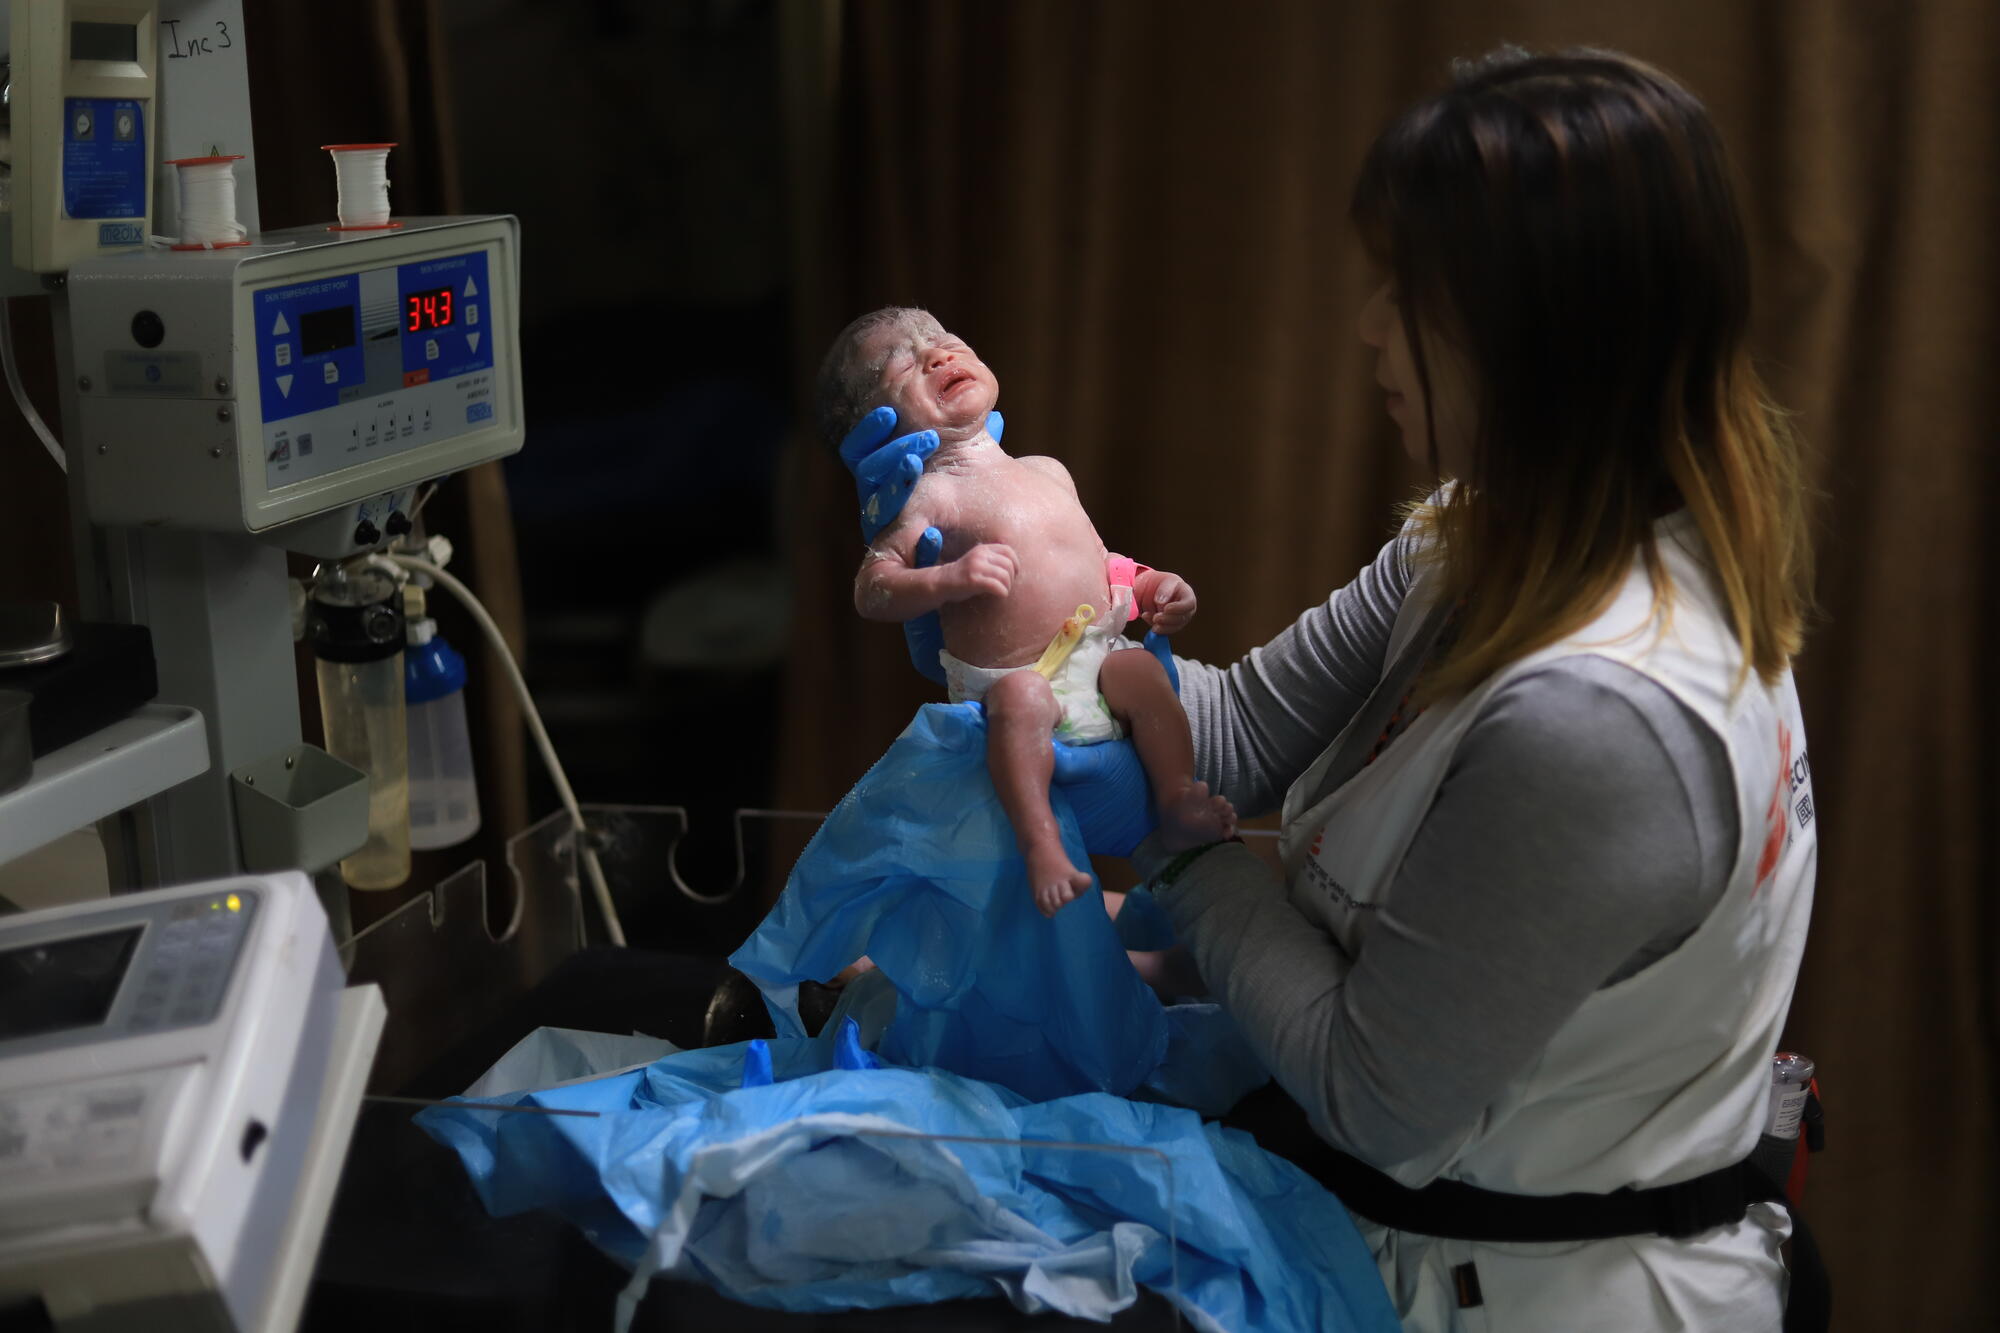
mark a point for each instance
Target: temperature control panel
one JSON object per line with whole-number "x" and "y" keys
{"x": 311, "y": 371}
{"x": 373, "y": 363}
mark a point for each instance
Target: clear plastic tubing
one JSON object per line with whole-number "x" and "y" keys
{"x": 355, "y": 624}
{"x": 444, "y": 797}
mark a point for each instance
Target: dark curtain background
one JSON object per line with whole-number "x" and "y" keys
{"x": 1135, "y": 211}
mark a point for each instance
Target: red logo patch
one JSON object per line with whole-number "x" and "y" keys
{"x": 1778, "y": 817}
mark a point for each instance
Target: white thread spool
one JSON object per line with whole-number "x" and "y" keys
{"x": 361, "y": 175}
{"x": 208, "y": 203}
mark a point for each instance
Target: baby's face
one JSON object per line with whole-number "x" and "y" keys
{"x": 932, "y": 379}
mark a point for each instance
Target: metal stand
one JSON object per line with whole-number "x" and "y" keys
{"x": 219, "y": 609}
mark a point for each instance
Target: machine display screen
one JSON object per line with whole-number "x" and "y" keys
{"x": 103, "y": 41}
{"x": 427, "y": 310}
{"x": 63, "y": 984}
{"x": 326, "y": 330}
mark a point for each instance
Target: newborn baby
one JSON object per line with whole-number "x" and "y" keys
{"x": 1032, "y": 606}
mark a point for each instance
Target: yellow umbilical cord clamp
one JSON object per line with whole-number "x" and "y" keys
{"x": 1064, "y": 643}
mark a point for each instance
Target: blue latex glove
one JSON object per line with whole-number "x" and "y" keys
{"x": 886, "y": 467}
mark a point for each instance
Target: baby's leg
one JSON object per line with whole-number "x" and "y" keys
{"x": 1136, "y": 688}
{"x": 1021, "y": 715}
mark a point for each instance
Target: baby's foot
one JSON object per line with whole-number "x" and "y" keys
{"x": 1055, "y": 881}
{"x": 1191, "y": 817}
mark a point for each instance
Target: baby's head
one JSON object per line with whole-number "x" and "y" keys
{"x": 903, "y": 358}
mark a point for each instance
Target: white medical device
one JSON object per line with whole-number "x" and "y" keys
{"x": 82, "y": 100}
{"x": 291, "y": 394}
{"x": 163, "y": 1062}
{"x": 311, "y": 372}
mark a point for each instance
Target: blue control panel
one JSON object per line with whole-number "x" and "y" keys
{"x": 104, "y": 158}
{"x": 441, "y": 310}
{"x": 372, "y": 363}
{"x": 319, "y": 343}
{"x": 309, "y": 345}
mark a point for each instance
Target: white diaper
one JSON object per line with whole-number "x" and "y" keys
{"x": 1086, "y": 719}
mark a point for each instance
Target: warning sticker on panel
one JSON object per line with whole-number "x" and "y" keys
{"x": 104, "y": 158}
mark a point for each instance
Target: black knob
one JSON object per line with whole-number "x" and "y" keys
{"x": 365, "y": 534}
{"x": 254, "y": 1133}
{"x": 397, "y": 525}
{"x": 382, "y": 623}
{"x": 147, "y": 329}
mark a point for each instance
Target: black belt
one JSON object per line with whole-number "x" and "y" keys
{"x": 1457, "y": 1211}
{"x": 1454, "y": 1210}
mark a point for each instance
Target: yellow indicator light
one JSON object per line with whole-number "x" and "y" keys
{"x": 235, "y": 903}
{"x": 214, "y": 907}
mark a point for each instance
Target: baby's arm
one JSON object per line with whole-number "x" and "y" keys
{"x": 889, "y": 586}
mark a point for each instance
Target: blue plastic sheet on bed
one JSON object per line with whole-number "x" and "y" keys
{"x": 815, "y": 1192}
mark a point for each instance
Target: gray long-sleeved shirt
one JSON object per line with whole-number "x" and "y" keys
{"x": 1586, "y": 826}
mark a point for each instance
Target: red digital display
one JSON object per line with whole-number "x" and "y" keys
{"x": 427, "y": 310}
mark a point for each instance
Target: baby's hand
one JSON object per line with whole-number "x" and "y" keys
{"x": 1168, "y": 604}
{"x": 987, "y": 570}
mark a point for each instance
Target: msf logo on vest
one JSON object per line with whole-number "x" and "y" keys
{"x": 1791, "y": 807}
{"x": 1327, "y": 883}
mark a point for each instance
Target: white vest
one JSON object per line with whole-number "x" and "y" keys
{"x": 1660, "y": 1078}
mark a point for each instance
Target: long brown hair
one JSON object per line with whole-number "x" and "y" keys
{"x": 1565, "y": 222}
